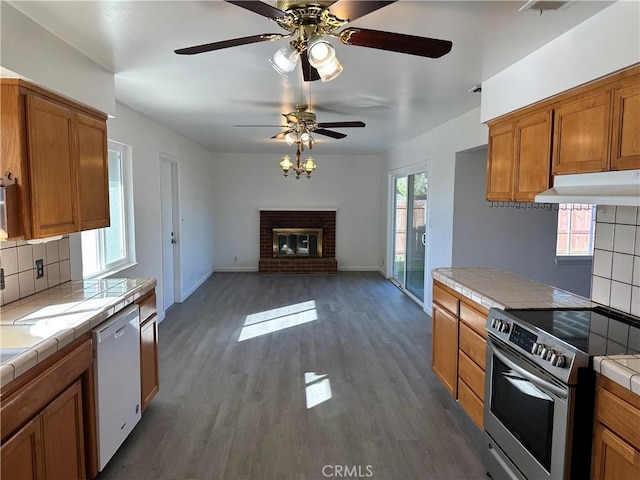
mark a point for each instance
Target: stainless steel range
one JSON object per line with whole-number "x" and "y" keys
{"x": 538, "y": 406}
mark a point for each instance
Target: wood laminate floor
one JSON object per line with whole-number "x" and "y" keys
{"x": 345, "y": 391}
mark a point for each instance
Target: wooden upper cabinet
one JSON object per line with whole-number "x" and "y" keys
{"x": 582, "y": 134}
{"x": 93, "y": 175}
{"x": 625, "y": 150}
{"x": 500, "y": 162}
{"x": 532, "y": 168}
{"x": 52, "y": 168}
{"x": 56, "y": 150}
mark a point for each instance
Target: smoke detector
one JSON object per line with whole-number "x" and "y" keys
{"x": 545, "y": 5}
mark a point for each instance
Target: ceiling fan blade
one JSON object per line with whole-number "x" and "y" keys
{"x": 396, "y": 42}
{"x": 350, "y": 10}
{"x": 309, "y": 73}
{"x": 208, "y": 47}
{"x": 280, "y": 135}
{"x": 260, "y": 8}
{"x": 290, "y": 118}
{"x": 340, "y": 124}
{"x": 330, "y": 133}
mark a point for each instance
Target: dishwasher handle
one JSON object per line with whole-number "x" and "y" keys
{"x": 115, "y": 325}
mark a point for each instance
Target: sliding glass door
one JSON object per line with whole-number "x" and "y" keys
{"x": 409, "y": 232}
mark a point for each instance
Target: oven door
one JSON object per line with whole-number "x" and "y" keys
{"x": 526, "y": 417}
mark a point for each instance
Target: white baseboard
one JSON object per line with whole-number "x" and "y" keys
{"x": 235, "y": 269}
{"x": 195, "y": 287}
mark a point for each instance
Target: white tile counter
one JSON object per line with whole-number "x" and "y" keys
{"x": 492, "y": 287}
{"x": 622, "y": 369}
{"x": 34, "y": 328}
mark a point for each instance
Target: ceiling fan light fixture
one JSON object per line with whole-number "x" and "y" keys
{"x": 330, "y": 71}
{"x": 309, "y": 166}
{"x": 320, "y": 51}
{"x": 285, "y": 60}
{"x": 286, "y": 164}
{"x": 290, "y": 138}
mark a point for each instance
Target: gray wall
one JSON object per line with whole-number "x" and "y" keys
{"x": 521, "y": 241}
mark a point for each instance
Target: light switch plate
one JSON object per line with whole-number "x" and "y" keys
{"x": 39, "y": 268}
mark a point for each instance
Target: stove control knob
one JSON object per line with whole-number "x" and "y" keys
{"x": 557, "y": 360}
{"x": 536, "y": 348}
{"x": 546, "y": 353}
{"x": 505, "y": 327}
{"x": 494, "y": 323}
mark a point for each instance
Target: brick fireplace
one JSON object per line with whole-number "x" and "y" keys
{"x": 303, "y": 220}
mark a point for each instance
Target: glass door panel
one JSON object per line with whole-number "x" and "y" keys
{"x": 417, "y": 236}
{"x": 400, "y": 228}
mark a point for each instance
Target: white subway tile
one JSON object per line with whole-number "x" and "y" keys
{"x": 624, "y": 238}
{"x": 25, "y": 258}
{"x": 52, "y": 252}
{"x": 604, "y": 236}
{"x": 41, "y": 283}
{"x": 7, "y": 244}
{"x": 39, "y": 253}
{"x": 602, "y": 263}
{"x": 63, "y": 249}
{"x": 11, "y": 288}
{"x": 606, "y": 213}
{"x": 65, "y": 271}
{"x": 622, "y": 270}
{"x": 9, "y": 260}
{"x": 27, "y": 283}
{"x": 635, "y": 307}
{"x": 637, "y": 240}
{"x": 53, "y": 274}
{"x": 620, "y": 296}
{"x": 600, "y": 290}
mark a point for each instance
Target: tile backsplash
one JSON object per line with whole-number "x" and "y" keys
{"x": 616, "y": 258}
{"x": 18, "y": 260}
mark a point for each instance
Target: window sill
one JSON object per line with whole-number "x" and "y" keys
{"x": 574, "y": 260}
{"x": 111, "y": 271}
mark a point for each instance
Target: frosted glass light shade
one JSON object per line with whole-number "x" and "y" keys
{"x": 285, "y": 60}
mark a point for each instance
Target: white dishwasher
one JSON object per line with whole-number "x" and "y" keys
{"x": 116, "y": 345}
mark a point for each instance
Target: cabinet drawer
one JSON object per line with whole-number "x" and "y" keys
{"x": 147, "y": 306}
{"x": 471, "y": 374}
{"x": 474, "y": 318}
{"x": 445, "y": 299}
{"x": 471, "y": 404}
{"x": 473, "y": 345}
{"x": 618, "y": 415}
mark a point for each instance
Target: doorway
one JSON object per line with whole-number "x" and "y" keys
{"x": 409, "y": 232}
{"x": 170, "y": 230}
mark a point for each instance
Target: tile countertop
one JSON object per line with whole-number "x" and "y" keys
{"x": 622, "y": 369}
{"x": 492, "y": 287}
{"x": 35, "y": 327}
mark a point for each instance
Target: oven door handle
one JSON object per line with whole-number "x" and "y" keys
{"x": 511, "y": 363}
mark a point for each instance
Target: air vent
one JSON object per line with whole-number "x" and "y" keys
{"x": 545, "y": 5}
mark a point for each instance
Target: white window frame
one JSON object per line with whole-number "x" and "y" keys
{"x": 129, "y": 259}
{"x": 568, "y": 258}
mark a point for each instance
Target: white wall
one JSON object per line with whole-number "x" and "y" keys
{"x": 439, "y": 146}
{"x": 519, "y": 240}
{"x": 148, "y": 139}
{"x": 34, "y": 53}
{"x": 243, "y": 183}
{"x": 607, "y": 42}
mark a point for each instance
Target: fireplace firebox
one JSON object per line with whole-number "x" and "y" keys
{"x": 293, "y": 242}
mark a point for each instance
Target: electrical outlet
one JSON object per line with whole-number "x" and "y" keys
{"x": 39, "y": 268}
{"x": 1, "y": 278}
{"x": 235, "y": 259}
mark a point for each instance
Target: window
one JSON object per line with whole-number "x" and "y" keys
{"x": 575, "y": 229}
{"x": 108, "y": 250}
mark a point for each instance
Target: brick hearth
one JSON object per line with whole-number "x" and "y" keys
{"x": 270, "y": 219}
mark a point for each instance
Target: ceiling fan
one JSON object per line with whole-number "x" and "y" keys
{"x": 302, "y": 123}
{"x": 309, "y": 21}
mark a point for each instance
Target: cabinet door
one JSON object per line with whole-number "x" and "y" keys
{"x": 149, "y": 378}
{"x": 52, "y": 168}
{"x": 532, "y": 156}
{"x": 444, "y": 348}
{"x": 625, "y": 151}
{"x": 500, "y": 162}
{"x": 582, "y": 135}
{"x": 613, "y": 458}
{"x": 93, "y": 173}
{"x": 62, "y": 434}
{"x": 21, "y": 455}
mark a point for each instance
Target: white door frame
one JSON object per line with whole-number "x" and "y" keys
{"x": 173, "y": 163}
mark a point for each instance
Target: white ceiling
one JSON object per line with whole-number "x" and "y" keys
{"x": 203, "y": 96}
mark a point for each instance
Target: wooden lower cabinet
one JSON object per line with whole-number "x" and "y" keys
{"x": 444, "y": 349}
{"x": 149, "y": 381}
{"x": 459, "y": 348}
{"x": 616, "y": 438}
{"x": 51, "y": 446}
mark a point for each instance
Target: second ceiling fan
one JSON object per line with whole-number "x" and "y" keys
{"x": 309, "y": 22}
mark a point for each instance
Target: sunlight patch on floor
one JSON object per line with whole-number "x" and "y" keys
{"x": 270, "y": 321}
{"x": 317, "y": 390}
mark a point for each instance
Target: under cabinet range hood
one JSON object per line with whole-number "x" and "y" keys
{"x": 602, "y": 188}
